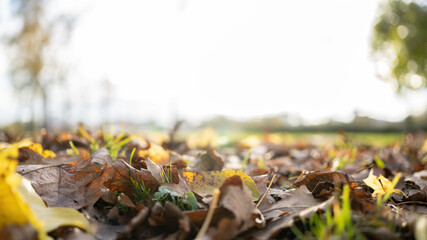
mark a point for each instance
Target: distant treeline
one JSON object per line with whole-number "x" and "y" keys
{"x": 280, "y": 123}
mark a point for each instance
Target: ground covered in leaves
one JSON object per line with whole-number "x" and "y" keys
{"x": 106, "y": 185}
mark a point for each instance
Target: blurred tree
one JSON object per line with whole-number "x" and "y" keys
{"x": 400, "y": 43}
{"x": 32, "y": 63}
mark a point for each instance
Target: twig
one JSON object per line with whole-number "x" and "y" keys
{"x": 210, "y": 214}
{"x": 363, "y": 169}
{"x": 266, "y": 191}
{"x": 413, "y": 202}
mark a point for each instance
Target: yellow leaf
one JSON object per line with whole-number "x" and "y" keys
{"x": 250, "y": 141}
{"x": 22, "y": 143}
{"x": 29, "y": 144}
{"x": 204, "y": 183}
{"x": 20, "y": 204}
{"x": 274, "y": 138}
{"x": 203, "y": 139}
{"x": 424, "y": 148}
{"x": 13, "y": 208}
{"x": 380, "y": 185}
{"x": 39, "y": 149}
{"x": 51, "y": 217}
{"x": 156, "y": 153}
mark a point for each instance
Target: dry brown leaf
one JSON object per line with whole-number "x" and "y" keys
{"x": 314, "y": 178}
{"x": 72, "y": 185}
{"x": 274, "y": 227}
{"x": 236, "y": 199}
{"x": 209, "y": 161}
{"x": 300, "y": 199}
{"x": 120, "y": 179}
{"x": 125, "y": 200}
{"x": 204, "y": 183}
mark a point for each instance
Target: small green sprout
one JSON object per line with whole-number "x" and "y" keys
{"x": 382, "y": 199}
{"x": 131, "y": 156}
{"x": 380, "y": 163}
{"x": 186, "y": 201}
{"x": 246, "y": 159}
{"x": 73, "y": 150}
{"x": 335, "y": 223}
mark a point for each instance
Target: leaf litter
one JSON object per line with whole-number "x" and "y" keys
{"x": 106, "y": 186}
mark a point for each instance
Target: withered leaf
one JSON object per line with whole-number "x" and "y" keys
{"x": 126, "y": 200}
{"x": 181, "y": 187}
{"x": 276, "y": 226}
{"x": 27, "y": 155}
{"x": 135, "y": 225}
{"x": 299, "y": 199}
{"x": 102, "y": 157}
{"x": 204, "y": 183}
{"x": 209, "y": 161}
{"x": 155, "y": 169}
{"x": 236, "y": 198}
{"x": 16, "y": 232}
{"x": 313, "y": 178}
{"x": 72, "y": 185}
{"x": 120, "y": 178}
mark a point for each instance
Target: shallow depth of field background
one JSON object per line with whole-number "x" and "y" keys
{"x": 245, "y": 65}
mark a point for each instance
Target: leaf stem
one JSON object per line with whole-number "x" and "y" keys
{"x": 266, "y": 191}
{"x": 210, "y": 214}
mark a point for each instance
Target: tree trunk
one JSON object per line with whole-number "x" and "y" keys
{"x": 45, "y": 111}
{"x": 32, "y": 123}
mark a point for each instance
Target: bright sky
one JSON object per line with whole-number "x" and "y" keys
{"x": 196, "y": 59}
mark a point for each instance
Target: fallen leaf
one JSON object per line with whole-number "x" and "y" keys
{"x": 181, "y": 187}
{"x": 203, "y": 139}
{"x": 133, "y": 227}
{"x": 121, "y": 175}
{"x": 23, "y": 143}
{"x": 51, "y": 217}
{"x": 261, "y": 182}
{"x": 13, "y": 208}
{"x": 250, "y": 141}
{"x": 274, "y": 227}
{"x": 29, "y": 156}
{"x": 424, "y": 148}
{"x": 380, "y": 185}
{"x": 299, "y": 199}
{"x": 39, "y": 149}
{"x": 170, "y": 219}
{"x": 155, "y": 169}
{"x": 314, "y": 178}
{"x": 18, "y": 232}
{"x": 204, "y": 183}
{"x": 156, "y": 153}
{"x": 101, "y": 157}
{"x": 20, "y": 204}
{"x": 125, "y": 200}
{"x": 209, "y": 161}
{"x": 236, "y": 198}
{"x": 73, "y": 185}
